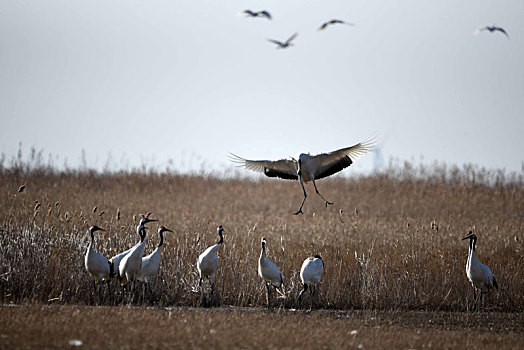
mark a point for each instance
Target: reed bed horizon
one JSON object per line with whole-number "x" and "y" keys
{"x": 390, "y": 241}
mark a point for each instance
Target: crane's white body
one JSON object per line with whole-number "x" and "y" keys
{"x": 480, "y": 275}
{"x": 207, "y": 264}
{"x": 115, "y": 260}
{"x": 308, "y": 167}
{"x": 310, "y": 275}
{"x": 311, "y": 270}
{"x": 96, "y": 264}
{"x": 132, "y": 262}
{"x": 269, "y": 272}
{"x": 151, "y": 263}
{"x": 150, "y": 266}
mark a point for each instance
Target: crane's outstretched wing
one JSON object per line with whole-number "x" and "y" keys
{"x": 291, "y": 38}
{"x": 333, "y": 162}
{"x": 500, "y": 29}
{"x": 480, "y": 29}
{"x": 265, "y": 13}
{"x": 250, "y": 13}
{"x": 283, "y": 168}
{"x": 279, "y": 43}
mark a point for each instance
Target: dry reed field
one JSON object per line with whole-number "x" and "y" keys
{"x": 391, "y": 241}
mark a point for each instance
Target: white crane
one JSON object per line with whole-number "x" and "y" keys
{"x": 207, "y": 264}
{"x": 492, "y": 29}
{"x": 115, "y": 260}
{"x": 310, "y": 274}
{"x": 479, "y": 275}
{"x": 96, "y": 264}
{"x": 334, "y": 21}
{"x": 151, "y": 263}
{"x": 132, "y": 261}
{"x": 285, "y": 44}
{"x": 308, "y": 167}
{"x": 269, "y": 272}
{"x": 262, "y": 13}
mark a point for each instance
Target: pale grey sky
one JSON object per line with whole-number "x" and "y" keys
{"x": 148, "y": 81}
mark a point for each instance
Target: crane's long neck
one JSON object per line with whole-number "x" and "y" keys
{"x": 263, "y": 251}
{"x": 221, "y": 239}
{"x": 92, "y": 243}
{"x": 471, "y": 252}
{"x": 161, "y": 233}
{"x": 139, "y": 229}
{"x": 143, "y": 235}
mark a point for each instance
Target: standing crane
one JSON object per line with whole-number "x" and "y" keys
{"x": 115, "y": 260}
{"x": 479, "y": 275}
{"x": 132, "y": 261}
{"x": 96, "y": 264}
{"x": 308, "y": 167}
{"x": 207, "y": 265}
{"x": 151, "y": 264}
{"x": 269, "y": 272}
{"x": 310, "y": 274}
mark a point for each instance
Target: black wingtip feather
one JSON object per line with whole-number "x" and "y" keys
{"x": 335, "y": 168}
{"x": 274, "y": 173}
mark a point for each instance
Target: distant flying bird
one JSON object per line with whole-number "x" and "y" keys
{"x": 334, "y": 21}
{"x": 491, "y": 29}
{"x": 207, "y": 265}
{"x": 96, "y": 264}
{"x": 308, "y": 167}
{"x": 262, "y": 13}
{"x": 269, "y": 272}
{"x": 310, "y": 274}
{"x": 479, "y": 275}
{"x": 283, "y": 45}
{"x": 151, "y": 264}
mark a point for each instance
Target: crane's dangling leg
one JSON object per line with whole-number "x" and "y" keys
{"x": 299, "y": 211}
{"x": 268, "y": 294}
{"x": 474, "y": 299}
{"x": 325, "y": 201}
{"x": 202, "y": 296}
{"x": 302, "y": 292}
{"x": 311, "y": 294}
{"x": 94, "y": 292}
{"x": 109, "y": 291}
{"x": 480, "y": 302}
{"x": 153, "y": 296}
{"x": 212, "y": 281}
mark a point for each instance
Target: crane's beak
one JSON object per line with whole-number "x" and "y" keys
{"x": 168, "y": 230}
{"x": 467, "y": 237}
{"x": 150, "y": 220}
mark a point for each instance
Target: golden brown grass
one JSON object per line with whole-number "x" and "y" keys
{"x": 389, "y": 242}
